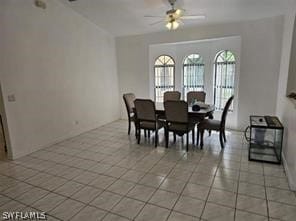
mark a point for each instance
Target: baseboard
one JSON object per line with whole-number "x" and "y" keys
{"x": 291, "y": 180}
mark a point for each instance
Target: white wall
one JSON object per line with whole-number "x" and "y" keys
{"x": 61, "y": 69}
{"x": 291, "y": 87}
{"x": 259, "y": 61}
{"x": 286, "y": 110}
{"x": 208, "y": 50}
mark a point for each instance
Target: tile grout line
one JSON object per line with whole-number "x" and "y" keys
{"x": 156, "y": 189}
{"x": 206, "y": 200}
{"x": 51, "y": 191}
{"x": 172, "y": 209}
{"x": 114, "y": 164}
{"x": 147, "y": 202}
{"x": 237, "y": 189}
{"x": 137, "y": 183}
{"x": 266, "y": 197}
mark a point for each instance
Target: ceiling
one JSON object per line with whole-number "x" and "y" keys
{"x": 126, "y": 17}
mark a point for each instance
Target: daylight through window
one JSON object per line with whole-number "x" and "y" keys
{"x": 164, "y": 71}
{"x": 224, "y": 73}
{"x": 193, "y": 74}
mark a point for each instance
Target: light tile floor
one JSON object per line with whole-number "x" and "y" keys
{"x": 104, "y": 175}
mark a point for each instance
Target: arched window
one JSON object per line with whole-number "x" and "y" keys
{"x": 164, "y": 71}
{"x": 193, "y": 74}
{"x": 224, "y": 69}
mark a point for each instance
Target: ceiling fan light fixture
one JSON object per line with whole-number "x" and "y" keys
{"x": 169, "y": 25}
{"x": 178, "y": 12}
{"x": 172, "y": 25}
{"x": 174, "y": 17}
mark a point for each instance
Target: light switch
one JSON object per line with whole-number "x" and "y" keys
{"x": 11, "y": 98}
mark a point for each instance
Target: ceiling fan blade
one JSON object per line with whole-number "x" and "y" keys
{"x": 153, "y": 16}
{"x": 193, "y": 17}
{"x": 180, "y": 21}
{"x": 157, "y": 22}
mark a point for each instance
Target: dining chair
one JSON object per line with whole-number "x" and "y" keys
{"x": 177, "y": 120}
{"x": 217, "y": 125}
{"x": 146, "y": 118}
{"x": 171, "y": 96}
{"x": 196, "y": 95}
{"x": 129, "y": 104}
{"x": 201, "y": 97}
{"x": 193, "y": 96}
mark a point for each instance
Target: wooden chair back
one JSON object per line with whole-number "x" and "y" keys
{"x": 171, "y": 96}
{"x": 176, "y": 111}
{"x": 198, "y": 95}
{"x": 225, "y": 111}
{"x": 145, "y": 110}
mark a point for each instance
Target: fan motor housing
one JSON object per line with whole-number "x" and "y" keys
{"x": 172, "y": 2}
{"x": 170, "y": 12}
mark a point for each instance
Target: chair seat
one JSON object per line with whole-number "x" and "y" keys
{"x": 161, "y": 117}
{"x": 150, "y": 125}
{"x": 210, "y": 124}
{"x": 195, "y": 120}
{"x": 181, "y": 127}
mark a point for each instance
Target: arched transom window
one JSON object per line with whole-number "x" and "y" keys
{"x": 224, "y": 73}
{"x": 193, "y": 74}
{"x": 164, "y": 71}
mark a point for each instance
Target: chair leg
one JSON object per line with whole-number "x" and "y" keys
{"x": 139, "y": 135}
{"x": 148, "y": 133}
{"x": 210, "y": 117}
{"x": 224, "y": 136}
{"x": 175, "y": 137}
{"x": 187, "y": 141}
{"x": 166, "y": 137}
{"x": 156, "y": 137}
{"x": 221, "y": 139}
{"x": 193, "y": 137}
{"x": 145, "y": 133}
{"x": 197, "y": 136}
{"x": 129, "y": 127}
{"x": 201, "y": 138}
{"x": 135, "y": 129}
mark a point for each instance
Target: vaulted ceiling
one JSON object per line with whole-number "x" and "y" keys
{"x": 126, "y": 17}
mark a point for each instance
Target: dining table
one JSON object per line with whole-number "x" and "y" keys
{"x": 206, "y": 110}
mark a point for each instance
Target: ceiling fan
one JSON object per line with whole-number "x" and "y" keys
{"x": 174, "y": 16}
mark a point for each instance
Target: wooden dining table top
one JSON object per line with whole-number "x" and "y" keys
{"x": 205, "y": 109}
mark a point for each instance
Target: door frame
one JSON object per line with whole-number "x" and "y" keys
{"x": 5, "y": 125}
